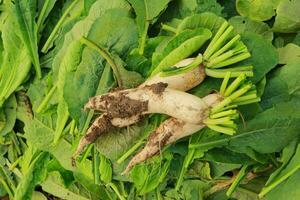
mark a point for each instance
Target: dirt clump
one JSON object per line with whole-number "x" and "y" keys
{"x": 157, "y": 88}
{"x": 121, "y": 106}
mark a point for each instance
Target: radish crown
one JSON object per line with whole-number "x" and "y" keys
{"x": 224, "y": 50}
{"x": 239, "y": 92}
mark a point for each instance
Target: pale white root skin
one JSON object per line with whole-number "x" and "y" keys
{"x": 182, "y": 82}
{"x": 169, "y": 132}
{"x": 174, "y": 103}
{"x": 123, "y": 122}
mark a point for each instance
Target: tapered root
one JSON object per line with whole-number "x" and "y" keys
{"x": 169, "y": 132}
{"x": 155, "y": 98}
{"x": 100, "y": 126}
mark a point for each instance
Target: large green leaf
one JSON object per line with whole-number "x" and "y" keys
{"x": 71, "y": 60}
{"x": 289, "y": 189}
{"x": 259, "y": 48}
{"x": 283, "y": 84}
{"x": 288, "y": 16}
{"x": 24, "y": 12}
{"x": 287, "y": 154}
{"x": 82, "y": 27}
{"x": 84, "y": 78}
{"x": 259, "y": 10}
{"x": 179, "y": 47}
{"x": 244, "y": 24}
{"x": 290, "y": 169}
{"x": 16, "y": 60}
{"x": 117, "y": 142}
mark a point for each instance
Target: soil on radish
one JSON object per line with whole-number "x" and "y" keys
{"x": 122, "y": 106}
{"x": 157, "y": 88}
{"x": 100, "y": 126}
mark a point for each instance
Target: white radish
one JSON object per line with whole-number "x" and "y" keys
{"x": 169, "y": 132}
{"x": 154, "y": 98}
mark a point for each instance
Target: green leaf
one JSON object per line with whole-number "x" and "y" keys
{"x": 84, "y": 78}
{"x": 258, "y": 10}
{"x": 54, "y": 185}
{"x": 38, "y": 196}
{"x": 142, "y": 63}
{"x": 36, "y": 174}
{"x": 289, "y": 54}
{"x": 97, "y": 191}
{"x": 284, "y": 79}
{"x": 193, "y": 189}
{"x": 16, "y": 61}
{"x": 224, "y": 155}
{"x": 209, "y": 6}
{"x": 38, "y": 134}
{"x": 229, "y": 8}
{"x": 244, "y": 24}
{"x": 179, "y": 47}
{"x": 105, "y": 169}
{"x": 70, "y": 61}
{"x": 288, "y": 189}
{"x": 115, "y": 143}
{"x": 297, "y": 39}
{"x": 184, "y": 8}
{"x": 147, "y": 177}
{"x": 24, "y": 12}
{"x": 24, "y": 112}
{"x": 146, "y": 13}
{"x": 205, "y": 88}
{"x": 204, "y": 20}
{"x": 259, "y": 48}
{"x": 10, "y": 111}
{"x": 46, "y": 9}
{"x": 290, "y": 169}
{"x": 82, "y": 27}
{"x": 287, "y": 153}
{"x": 288, "y": 16}
{"x": 73, "y": 11}
{"x": 124, "y": 78}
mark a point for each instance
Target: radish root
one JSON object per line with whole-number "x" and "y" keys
{"x": 100, "y": 126}
{"x": 220, "y": 119}
{"x": 169, "y": 132}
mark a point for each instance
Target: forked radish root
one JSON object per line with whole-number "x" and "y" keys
{"x": 169, "y": 132}
{"x": 132, "y": 109}
{"x": 220, "y": 119}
